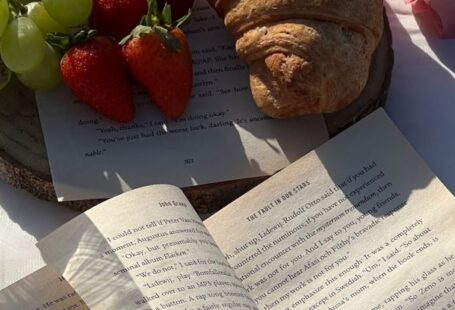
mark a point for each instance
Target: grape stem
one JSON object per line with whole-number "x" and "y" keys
{"x": 17, "y": 7}
{"x": 5, "y": 75}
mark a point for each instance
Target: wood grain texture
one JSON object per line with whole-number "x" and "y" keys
{"x": 24, "y": 163}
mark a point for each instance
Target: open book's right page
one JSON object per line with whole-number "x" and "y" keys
{"x": 360, "y": 223}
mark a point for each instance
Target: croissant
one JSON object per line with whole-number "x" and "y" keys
{"x": 304, "y": 56}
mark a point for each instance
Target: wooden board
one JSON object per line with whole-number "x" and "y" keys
{"x": 24, "y": 163}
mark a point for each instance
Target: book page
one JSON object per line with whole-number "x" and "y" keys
{"x": 360, "y": 223}
{"x": 44, "y": 289}
{"x": 146, "y": 249}
{"x": 222, "y": 136}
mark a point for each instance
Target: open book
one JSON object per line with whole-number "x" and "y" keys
{"x": 359, "y": 223}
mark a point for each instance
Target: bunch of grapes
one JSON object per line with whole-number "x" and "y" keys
{"x": 23, "y": 30}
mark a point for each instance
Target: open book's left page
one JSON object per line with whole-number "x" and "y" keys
{"x": 42, "y": 290}
{"x": 146, "y": 249}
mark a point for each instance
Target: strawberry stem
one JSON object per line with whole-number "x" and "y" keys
{"x": 166, "y": 15}
{"x": 164, "y": 18}
{"x": 158, "y": 23}
{"x": 182, "y": 19}
{"x": 152, "y": 17}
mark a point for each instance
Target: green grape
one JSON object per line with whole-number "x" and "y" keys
{"x": 69, "y": 12}
{"x": 37, "y": 12}
{"x": 22, "y": 47}
{"x": 47, "y": 75}
{"x": 4, "y": 16}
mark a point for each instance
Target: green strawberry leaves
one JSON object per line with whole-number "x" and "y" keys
{"x": 172, "y": 43}
{"x": 166, "y": 15}
{"x": 160, "y": 24}
{"x": 182, "y": 19}
{"x": 64, "y": 41}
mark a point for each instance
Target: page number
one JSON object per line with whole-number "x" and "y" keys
{"x": 189, "y": 161}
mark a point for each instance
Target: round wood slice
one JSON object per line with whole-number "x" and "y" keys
{"x": 24, "y": 163}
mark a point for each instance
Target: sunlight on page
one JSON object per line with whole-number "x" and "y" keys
{"x": 360, "y": 223}
{"x": 145, "y": 248}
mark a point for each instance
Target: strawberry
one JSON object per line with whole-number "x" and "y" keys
{"x": 159, "y": 58}
{"x": 117, "y": 18}
{"x": 179, "y": 7}
{"x": 96, "y": 73}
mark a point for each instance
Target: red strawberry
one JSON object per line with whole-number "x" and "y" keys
{"x": 179, "y": 7}
{"x": 117, "y": 18}
{"x": 159, "y": 59}
{"x": 96, "y": 73}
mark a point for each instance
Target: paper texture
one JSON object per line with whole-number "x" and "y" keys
{"x": 43, "y": 289}
{"x": 222, "y": 136}
{"x": 360, "y": 223}
{"x": 146, "y": 249}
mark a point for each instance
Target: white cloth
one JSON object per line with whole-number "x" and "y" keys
{"x": 421, "y": 102}
{"x": 23, "y": 221}
{"x": 422, "y": 94}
